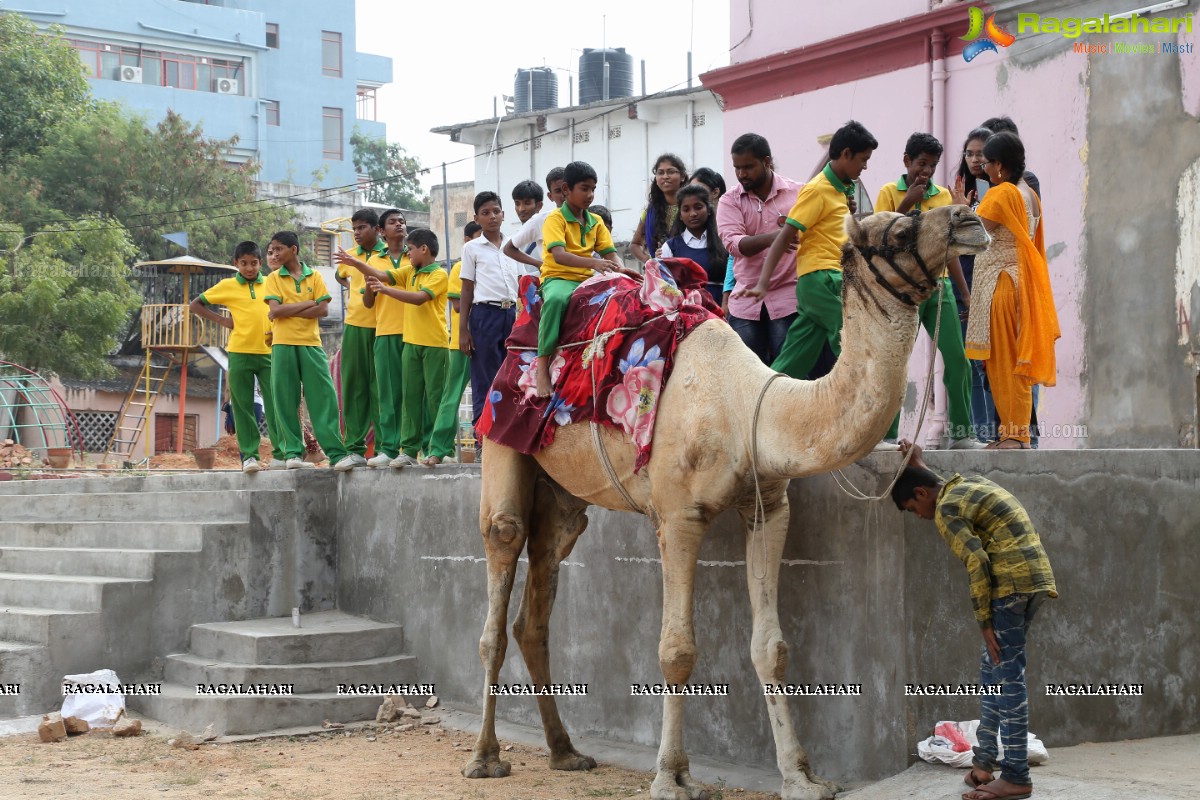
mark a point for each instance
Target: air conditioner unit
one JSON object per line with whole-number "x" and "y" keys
{"x": 226, "y": 86}
{"x": 129, "y": 74}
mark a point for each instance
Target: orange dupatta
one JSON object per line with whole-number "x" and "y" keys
{"x": 1037, "y": 317}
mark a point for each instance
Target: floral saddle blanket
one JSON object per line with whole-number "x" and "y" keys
{"x": 615, "y": 355}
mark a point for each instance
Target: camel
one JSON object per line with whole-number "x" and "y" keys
{"x": 718, "y": 388}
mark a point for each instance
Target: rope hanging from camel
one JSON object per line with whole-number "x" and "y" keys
{"x": 758, "y": 531}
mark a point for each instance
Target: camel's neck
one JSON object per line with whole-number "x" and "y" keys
{"x": 814, "y": 426}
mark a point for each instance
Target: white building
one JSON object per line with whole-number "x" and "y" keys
{"x": 620, "y": 138}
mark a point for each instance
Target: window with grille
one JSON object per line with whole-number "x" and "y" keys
{"x": 582, "y": 136}
{"x": 697, "y": 120}
{"x": 460, "y": 219}
{"x": 614, "y": 132}
{"x": 96, "y": 428}
{"x": 272, "y": 111}
{"x": 273, "y": 35}
{"x": 323, "y": 249}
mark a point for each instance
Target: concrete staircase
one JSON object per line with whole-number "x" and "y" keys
{"x": 112, "y": 572}
{"x": 330, "y": 648}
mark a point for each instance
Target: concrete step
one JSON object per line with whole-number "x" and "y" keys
{"x": 188, "y": 670}
{"x": 180, "y": 707}
{"x": 115, "y": 535}
{"x": 67, "y": 592}
{"x": 108, "y": 562}
{"x": 23, "y": 664}
{"x": 41, "y": 625}
{"x": 326, "y": 636}
{"x": 113, "y": 482}
{"x": 181, "y": 506}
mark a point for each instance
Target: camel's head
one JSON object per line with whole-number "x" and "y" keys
{"x": 907, "y": 254}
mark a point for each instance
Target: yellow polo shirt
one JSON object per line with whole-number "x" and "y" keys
{"x": 286, "y": 288}
{"x": 251, "y": 322}
{"x": 892, "y": 195}
{"x": 389, "y": 312}
{"x": 357, "y": 314}
{"x": 820, "y": 216}
{"x": 454, "y": 292}
{"x": 426, "y": 324}
{"x": 579, "y": 237}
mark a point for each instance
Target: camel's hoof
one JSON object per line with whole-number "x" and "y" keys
{"x": 669, "y": 787}
{"x": 572, "y": 761}
{"x": 487, "y": 768}
{"x": 804, "y": 790}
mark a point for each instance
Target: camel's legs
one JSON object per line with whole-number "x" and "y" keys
{"x": 679, "y": 545}
{"x": 768, "y": 650}
{"x": 504, "y": 509}
{"x": 557, "y": 521}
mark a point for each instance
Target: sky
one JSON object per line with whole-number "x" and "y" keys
{"x": 450, "y": 58}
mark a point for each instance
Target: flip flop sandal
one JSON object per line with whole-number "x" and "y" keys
{"x": 990, "y": 795}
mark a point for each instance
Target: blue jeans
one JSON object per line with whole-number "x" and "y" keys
{"x": 1004, "y": 718}
{"x": 764, "y": 336}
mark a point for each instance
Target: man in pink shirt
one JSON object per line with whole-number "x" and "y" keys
{"x": 748, "y": 218}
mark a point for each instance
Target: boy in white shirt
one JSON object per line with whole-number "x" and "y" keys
{"x": 525, "y": 246}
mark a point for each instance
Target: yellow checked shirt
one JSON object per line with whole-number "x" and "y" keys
{"x": 892, "y": 195}
{"x": 580, "y": 238}
{"x": 389, "y": 312}
{"x": 251, "y": 322}
{"x": 454, "y": 292}
{"x": 357, "y": 314}
{"x": 991, "y": 533}
{"x": 820, "y": 216}
{"x": 426, "y": 324}
{"x": 286, "y": 288}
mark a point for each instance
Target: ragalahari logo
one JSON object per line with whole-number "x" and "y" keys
{"x": 992, "y": 35}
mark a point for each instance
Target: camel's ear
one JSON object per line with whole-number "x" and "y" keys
{"x": 854, "y": 232}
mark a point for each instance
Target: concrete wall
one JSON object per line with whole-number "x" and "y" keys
{"x": 867, "y": 596}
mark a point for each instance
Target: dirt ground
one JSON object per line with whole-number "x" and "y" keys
{"x": 365, "y": 764}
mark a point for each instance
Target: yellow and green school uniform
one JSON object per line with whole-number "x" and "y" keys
{"x": 458, "y": 373}
{"x": 820, "y": 216}
{"x": 425, "y": 340}
{"x": 957, "y": 374}
{"x": 580, "y": 237}
{"x": 249, "y": 358}
{"x": 298, "y": 362}
{"x": 360, "y": 392}
{"x": 389, "y": 357}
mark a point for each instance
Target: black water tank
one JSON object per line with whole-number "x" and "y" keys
{"x": 591, "y": 74}
{"x": 535, "y": 89}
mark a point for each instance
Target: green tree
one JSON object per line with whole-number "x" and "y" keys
{"x": 65, "y": 295}
{"x": 392, "y": 171}
{"x": 41, "y": 86}
{"x": 152, "y": 180}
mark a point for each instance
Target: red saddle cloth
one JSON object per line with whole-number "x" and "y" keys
{"x": 614, "y": 378}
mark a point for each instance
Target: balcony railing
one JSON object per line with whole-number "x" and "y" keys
{"x": 173, "y": 326}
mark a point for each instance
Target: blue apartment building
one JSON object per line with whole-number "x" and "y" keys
{"x": 283, "y": 76}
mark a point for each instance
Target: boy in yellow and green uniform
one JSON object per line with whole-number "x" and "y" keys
{"x": 360, "y": 393}
{"x": 297, "y": 298}
{"x": 916, "y": 191}
{"x": 570, "y": 235}
{"x": 819, "y": 216}
{"x": 458, "y": 369}
{"x": 392, "y": 270}
{"x": 425, "y": 339}
{"x": 249, "y": 351}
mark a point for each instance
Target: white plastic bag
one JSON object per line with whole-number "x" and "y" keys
{"x": 939, "y": 749}
{"x": 94, "y": 697}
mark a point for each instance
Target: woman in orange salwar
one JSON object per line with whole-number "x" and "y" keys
{"x": 1013, "y": 323}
